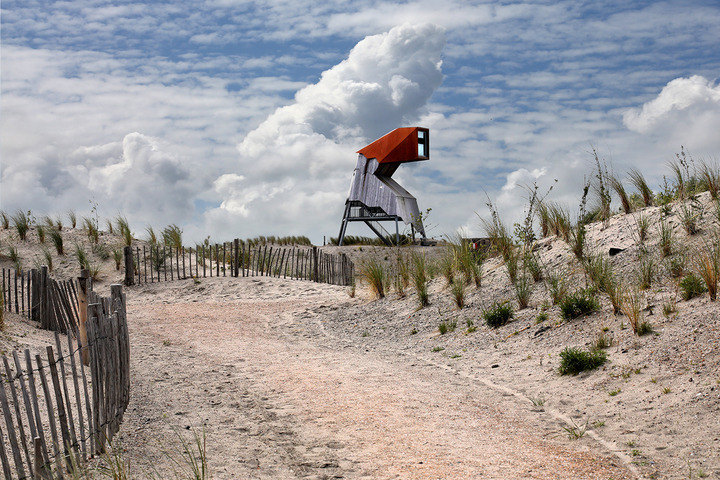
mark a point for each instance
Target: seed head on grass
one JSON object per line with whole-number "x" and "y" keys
{"x": 374, "y": 273}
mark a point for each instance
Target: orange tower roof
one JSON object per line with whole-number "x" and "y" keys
{"x": 400, "y": 145}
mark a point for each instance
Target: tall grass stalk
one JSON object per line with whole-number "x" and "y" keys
{"x": 73, "y": 219}
{"x": 419, "y": 275}
{"x": 523, "y": 290}
{"x": 57, "y": 241}
{"x": 47, "y": 256}
{"x": 621, "y": 193}
{"x": 707, "y": 266}
{"x": 172, "y": 235}
{"x": 21, "y": 222}
{"x": 92, "y": 229}
{"x": 82, "y": 257}
{"x": 151, "y": 237}
{"x": 638, "y": 181}
{"x": 632, "y": 308}
{"x": 4, "y": 220}
{"x": 667, "y": 242}
{"x": 458, "y": 293}
{"x": 711, "y": 178}
{"x": 373, "y": 271}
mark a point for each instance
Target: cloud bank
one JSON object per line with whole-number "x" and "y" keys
{"x": 297, "y": 163}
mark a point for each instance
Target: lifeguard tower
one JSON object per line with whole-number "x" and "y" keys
{"x": 374, "y": 196}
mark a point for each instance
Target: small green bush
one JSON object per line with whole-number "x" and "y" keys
{"x": 580, "y": 303}
{"x": 691, "y": 286}
{"x": 575, "y": 360}
{"x": 498, "y": 314}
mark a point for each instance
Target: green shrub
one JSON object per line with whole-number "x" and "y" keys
{"x": 691, "y": 286}
{"x": 498, "y": 314}
{"x": 575, "y": 360}
{"x": 581, "y": 302}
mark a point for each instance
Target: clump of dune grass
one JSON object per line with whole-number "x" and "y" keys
{"x": 531, "y": 265}
{"x": 40, "y": 233}
{"x": 467, "y": 260}
{"x": 92, "y": 229}
{"x": 579, "y": 303}
{"x": 691, "y": 286}
{"x": 646, "y": 272}
{"x": 619, "y": 189}
{"x": 575, "y": 360}
{"x": 4, "y": 220}
{"x": 667, "y": 241}
{"x": 458, "y": 293}
{"x": 47, "y": 256}
{"x": 14, "y": 257}
{"x": 557, "y": 285}
{"x": 632, "y": 308}
{"x": 523, "y": 290}
{"x": 82, "y": 257}
{"x": 73, "y": 219}
{"x": 109, "y": 226}
{"x": 642, "y": 226}
{"x": 638, "y": 181}
{"x": 707, "y": 266}
{"x": 373, "y": 271}
{"x": 689, "y": 216}
{"x": 711, "y": 178}
{"x": 419, "y": 276}
{"x": 498, "y": 314}
{"x": 57, "y": 240}
{"x": 117, "y": 257}
{"x": 172, "y": 236}
{"x": 151, "y": 237}
{"x": 497, "y": 232}
{"x": 601, "y": 188}
{"x": 21, "y": 222}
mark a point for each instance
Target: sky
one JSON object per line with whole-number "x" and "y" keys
{"x": 236, "y": 118}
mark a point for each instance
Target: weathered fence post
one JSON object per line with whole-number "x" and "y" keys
{"x": 129, "y": 266}
{"x": 236, "y": 246}
{"x": 315, "y": 264}
{"x": 85, "y": 287}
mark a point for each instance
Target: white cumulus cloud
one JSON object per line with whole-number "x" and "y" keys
{"x": 298, "y": 162}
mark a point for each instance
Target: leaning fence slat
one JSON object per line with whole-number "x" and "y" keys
{"x": 70, "y": 418}
{"x": 12, "y": 436}
{"x": 4, "y": 459}
{"x": 18, "y": 414}
{"x": 78, "y": 401}
{"x": 62, "y": 412}
{"x": 50, "y": 414}
{"x": 36, "y": 408}
{"x": 25, "y": 395}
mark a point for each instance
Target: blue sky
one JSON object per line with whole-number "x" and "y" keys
{"x": 238, "y": 118}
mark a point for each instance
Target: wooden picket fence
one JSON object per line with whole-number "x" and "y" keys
{"x": 63, "y": 407}
{"x": 38, "y": 297}
{"x": 161, "y": 263}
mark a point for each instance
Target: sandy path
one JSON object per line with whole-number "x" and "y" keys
{"x": 281, "y": 399}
